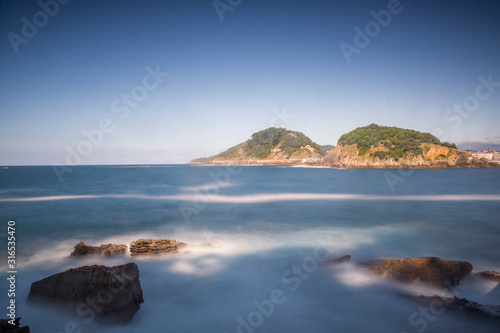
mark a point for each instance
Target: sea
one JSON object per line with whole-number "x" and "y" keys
{"x": 262, "y": 241}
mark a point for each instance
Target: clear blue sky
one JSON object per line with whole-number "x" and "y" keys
{"x": 228, "y": 79}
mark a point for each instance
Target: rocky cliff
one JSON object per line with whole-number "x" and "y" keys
{"x": 434, "y": 156}
{"x": 375, "y": 146}
{"x": 371, "y": 146}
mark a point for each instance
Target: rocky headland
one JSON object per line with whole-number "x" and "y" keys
{"x": 273, "y": 146}
{"x": 371, "y": 146}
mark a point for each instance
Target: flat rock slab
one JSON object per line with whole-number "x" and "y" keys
{"x": 430, "y": 270}
{"x": 111, "y": 294}
{"x": 82, "y": 249}
{"x": 154, "y": 246}
{"x": 489, "y": 275}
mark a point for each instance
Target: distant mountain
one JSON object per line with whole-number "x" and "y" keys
{"x": 269, "y": 146}
{"x": 375, "y": 146}
{"x": 327, "y": 148}
{"x": 478, "y": 146}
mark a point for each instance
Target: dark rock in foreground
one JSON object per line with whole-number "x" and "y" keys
{"x": 154, "y": 246}
{"x": 489, "y": 275}
{"x": 82, "y": 249}
{"x": 6, "y": 327}
{"x": 462, "y": 305}
{"x": 430, "y": 270}
{"x": 112, "y": 294}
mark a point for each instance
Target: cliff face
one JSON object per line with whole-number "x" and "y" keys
{"x": 434, "y": 156}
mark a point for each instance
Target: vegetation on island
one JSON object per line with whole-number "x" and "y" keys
{"x": 263, "y": 143}
{"x": 395, "y": 142}
{"x": 327, "y": 148}
{"x": 372, "y": 143}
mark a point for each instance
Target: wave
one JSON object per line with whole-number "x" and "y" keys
{"x": 265, "y": 198}
{"x": 205, "y": 187}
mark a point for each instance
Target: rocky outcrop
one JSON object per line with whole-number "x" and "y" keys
{"x": 111, "y": 294}
{"x": 463, "y": 306}
{"x": 489, "y": 275}
{"x": 154, "y": 246}
{"x": 435, "y": 156}
{"x": 430, "y": 270}
{"x": 82, "y": 249}
{"x": 7, "y": 327}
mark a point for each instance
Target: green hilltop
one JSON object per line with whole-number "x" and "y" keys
{"x": 271, "y": 143}
{"x": 393, "y": 141}
{"x": 371, "y": 146}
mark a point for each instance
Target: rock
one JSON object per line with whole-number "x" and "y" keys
{"x": 82, "y": 249}
{"x": 462, "y": 305}
{"x": 430, "y": 270}
{"x": 7, "y": 327}
{"x": 111, "y": 294}
{"x": 340, "y": 260}
{"x": 154, "y": 246}
{"x": 489, "y": 275}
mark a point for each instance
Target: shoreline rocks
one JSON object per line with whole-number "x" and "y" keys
{"x": 462, "y": 305}
{"x": 489, "y": 275}
{"x": 82, "y": 249}
{"x": 430, "y": 270}
{"x": 154, "y": 246}
{"x": 111, "y": 294}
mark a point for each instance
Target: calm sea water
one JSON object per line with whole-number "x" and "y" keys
{"x": 271, "y": 228}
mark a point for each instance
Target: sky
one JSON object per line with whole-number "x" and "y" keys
{"x": 159, "y": 82}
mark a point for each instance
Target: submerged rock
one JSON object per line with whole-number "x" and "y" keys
{"x": 82, "y": 249}
{"x": 462, "y": 305}
{"x": 430, "y": 270}
{"x": 340, "y": 260}
{"x": 7, "y": 327}
{"x": 489, "y": 275}
{"x": 154, "y": 246}
{"x": 111, "y": 294}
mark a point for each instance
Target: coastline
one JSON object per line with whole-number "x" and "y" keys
{"x": 339, "y": 166}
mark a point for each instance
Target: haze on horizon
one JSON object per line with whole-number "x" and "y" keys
{"x": 152, "y": 81}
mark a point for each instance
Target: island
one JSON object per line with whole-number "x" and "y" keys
{"x": 371, "y": 146}
{"x": 273, "y": 146}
